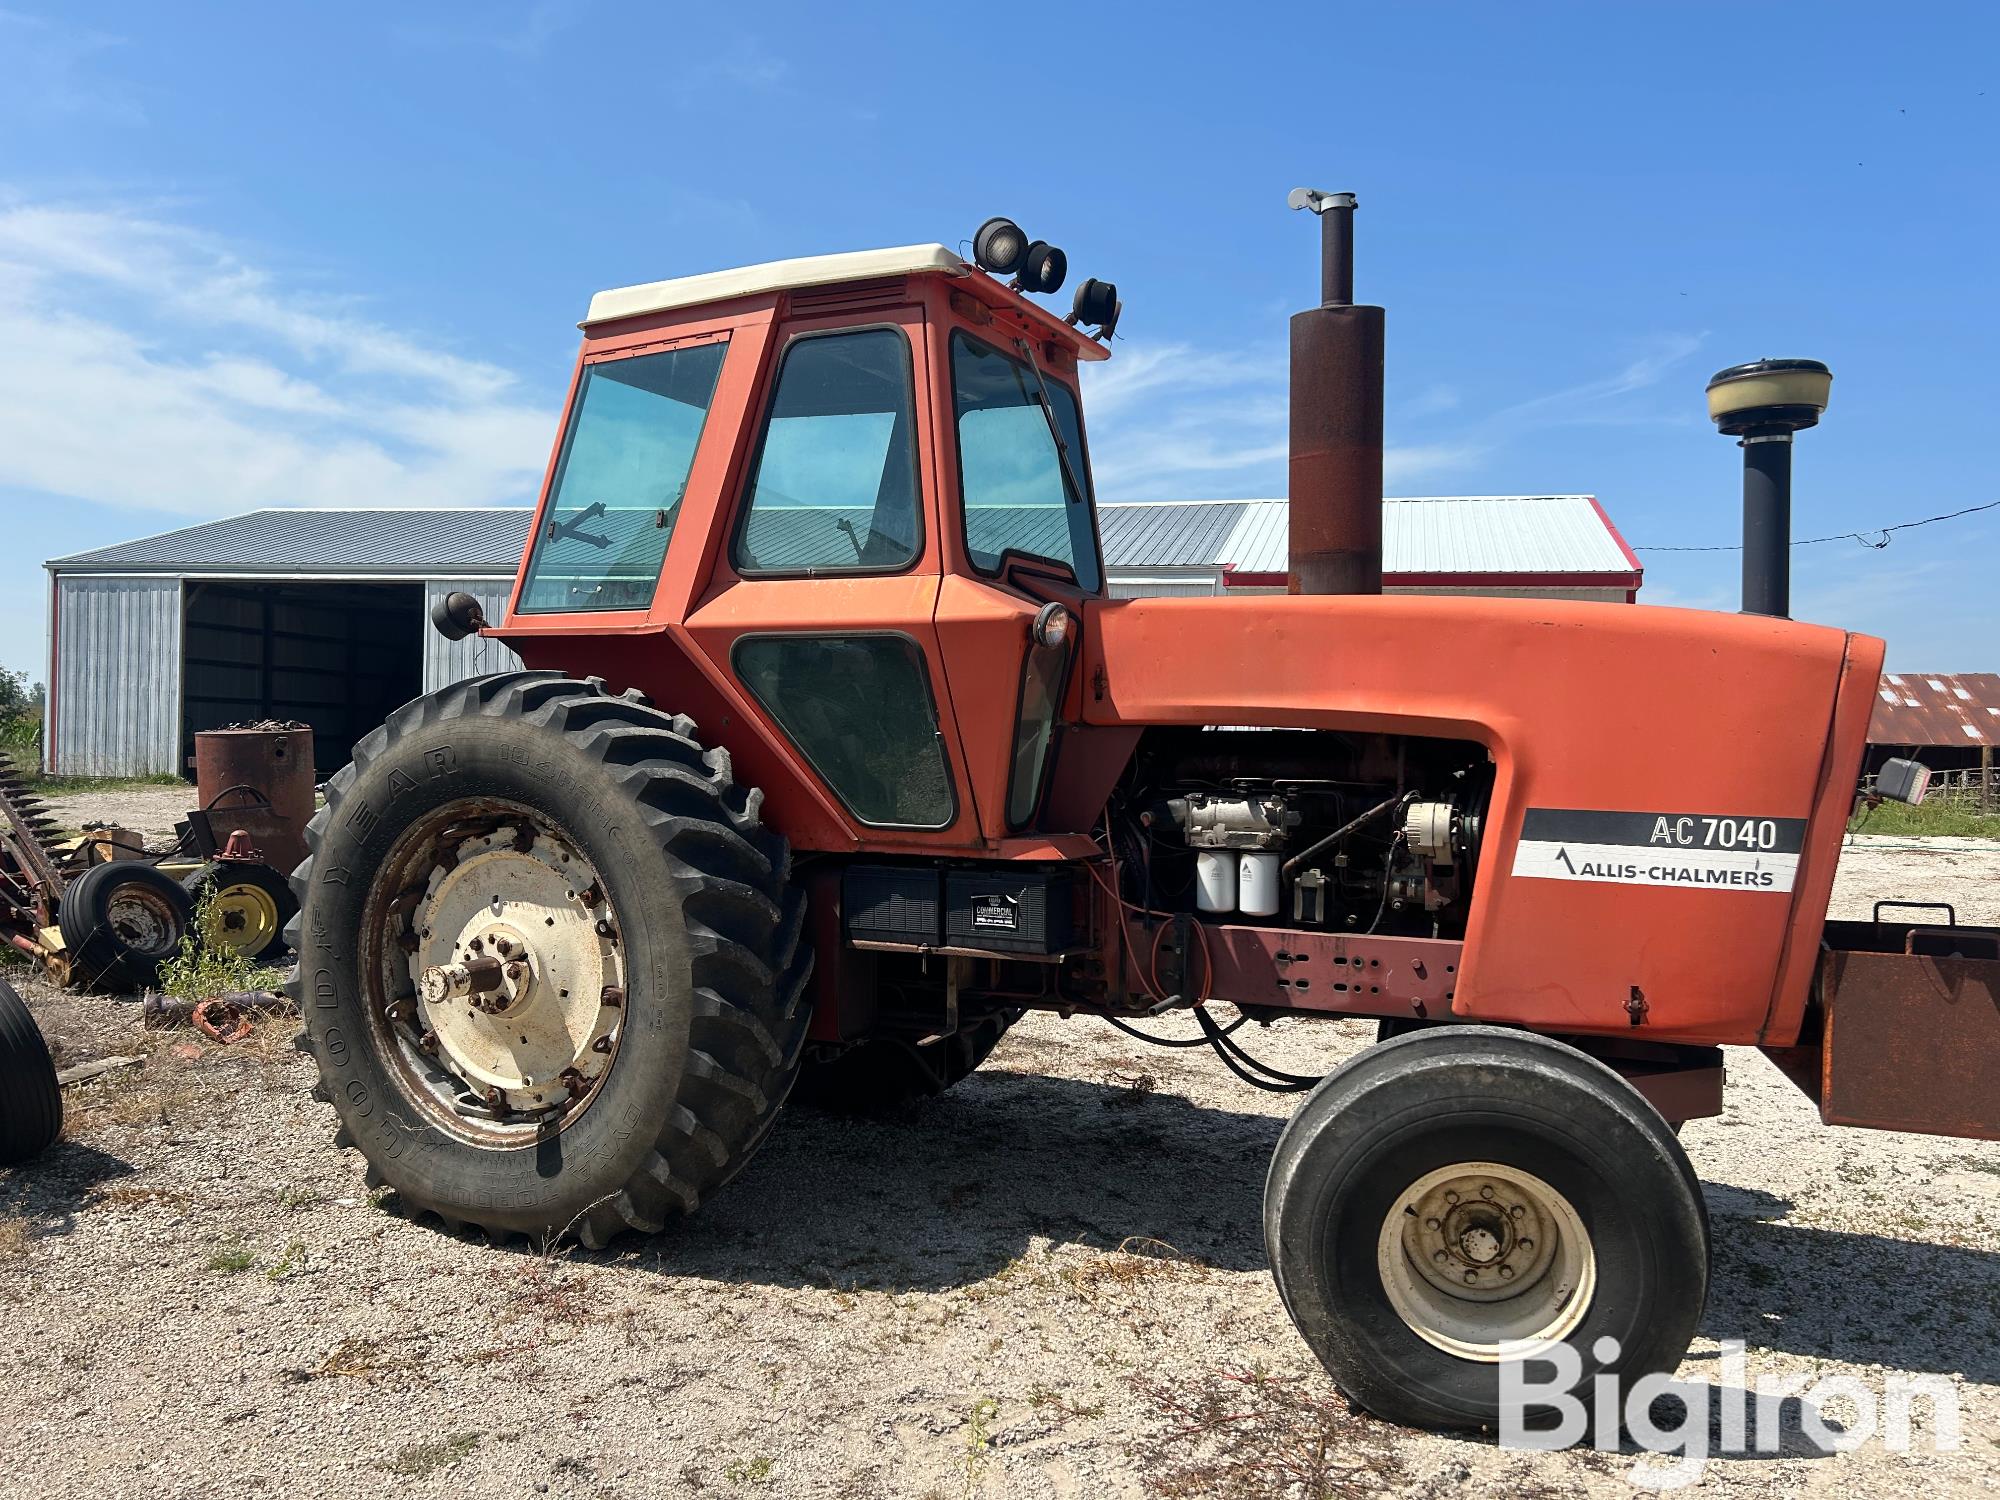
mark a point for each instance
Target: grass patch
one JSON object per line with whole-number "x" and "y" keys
{"x": 978, "y": 1440}
{"x": 1248, "y": 1434}
{"x": 206, "y": 966}
{"x": 750, "y": 1470}
{"x": 1926, "y": 820}
{"x": 421, "y": 1460}
{"x": 68, "y": 786}
{"x": 231, "y": 1259}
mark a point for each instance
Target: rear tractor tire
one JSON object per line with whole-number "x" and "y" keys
{"x": 550, "y": 960}
{"x": 1464, "y": 1196}
{"x": 883, "y": 1074}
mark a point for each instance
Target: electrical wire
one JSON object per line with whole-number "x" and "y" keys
{"x": 1171, "y": 1041}
{"x": 1241, "y": 1063}
{"x": 1845, "y": 536}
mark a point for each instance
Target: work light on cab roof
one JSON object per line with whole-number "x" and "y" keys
{"x": 1001, "y": 248}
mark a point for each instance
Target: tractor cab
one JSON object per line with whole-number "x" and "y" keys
{"x": 805, "y": 499}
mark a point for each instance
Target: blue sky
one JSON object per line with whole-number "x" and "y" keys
{"x": 335, "y": 256}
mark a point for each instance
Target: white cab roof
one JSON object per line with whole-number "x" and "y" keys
{"x": 772, "y": 276}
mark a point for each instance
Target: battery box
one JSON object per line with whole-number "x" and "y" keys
{"x": 893, "y": 904}
{"x": 1010, "y": 910}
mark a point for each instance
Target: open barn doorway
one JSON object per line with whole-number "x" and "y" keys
{"x": 336, "y": 656}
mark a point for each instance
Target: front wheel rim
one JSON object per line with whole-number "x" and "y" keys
{"x": 1486, "y": 1261}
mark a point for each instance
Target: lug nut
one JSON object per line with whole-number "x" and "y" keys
{"x": 1527, "y": 1244}
{"x": 515, "y": 970}
{"x": 1451, "y": 1197}
{"x": 1485, "y": 1192}
{"x": 1516, "y": 1210}
{"x": 1471, "y": 1276}
{"x": 1430, "y": 1223}
{"x": 1440, "y": 1257}
{"x": 1506, "y": 1273}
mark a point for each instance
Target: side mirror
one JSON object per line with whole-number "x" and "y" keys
{"x": 457, "y": 615}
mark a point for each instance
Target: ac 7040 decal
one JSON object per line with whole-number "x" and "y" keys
{"x": 1700, "y": 851}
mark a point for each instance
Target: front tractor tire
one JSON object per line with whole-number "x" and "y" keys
{"x": 1462, "y": 1196}
{"x": 551, "y": 963}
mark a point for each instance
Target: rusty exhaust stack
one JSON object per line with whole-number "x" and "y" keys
{"x": 1336, "y": 460}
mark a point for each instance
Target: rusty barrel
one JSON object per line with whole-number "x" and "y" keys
{"x": 261, "y": 781}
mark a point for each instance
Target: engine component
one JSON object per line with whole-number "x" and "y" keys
{"x": 1257, "y": 885}
{"x": 1215, "y": 881}
{"x": 1232, "y": 822}
{"x": 1427, "y": 830}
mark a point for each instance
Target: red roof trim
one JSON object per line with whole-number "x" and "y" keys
{"x": 1618, "y": 536}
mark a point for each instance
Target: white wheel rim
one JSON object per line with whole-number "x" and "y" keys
{"x": 504, "y": 987}
{"x": 1486, "y": 1261}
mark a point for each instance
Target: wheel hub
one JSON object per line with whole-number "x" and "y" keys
{"x": 1486, "y": 1261}
{"x": 141, "y": 921}
{"x": 245, "y": 917}
{"x": 518, "y": 972}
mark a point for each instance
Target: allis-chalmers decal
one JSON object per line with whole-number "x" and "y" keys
{"x": 1706, "y": 851}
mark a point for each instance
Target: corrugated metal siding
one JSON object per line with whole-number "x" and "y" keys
{"x": 446, "y": 662}
{"x": 118, "y": 677}
{"x": 1165, "y": 536}
{"x": 1452, "y": 534}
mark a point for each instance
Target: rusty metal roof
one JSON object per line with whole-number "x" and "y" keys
{"x": 1930, "y": 708}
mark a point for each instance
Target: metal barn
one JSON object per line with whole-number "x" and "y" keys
{"x": 323, "y": 615}
{"x": 316, "y": 615}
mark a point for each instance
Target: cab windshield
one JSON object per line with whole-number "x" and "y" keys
{"x": 1016, "y": 496}
{"x": 618, "y": 484}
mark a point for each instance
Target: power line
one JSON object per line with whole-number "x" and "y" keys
{"x": 1843, "y": 536}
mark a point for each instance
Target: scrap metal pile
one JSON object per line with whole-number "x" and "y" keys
{"x": 104, "y": 910}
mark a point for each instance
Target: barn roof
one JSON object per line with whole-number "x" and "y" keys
{"x": 427, "y": 542}
{"x": 1933, "y": 708}
{"x": 1455, "y": 539}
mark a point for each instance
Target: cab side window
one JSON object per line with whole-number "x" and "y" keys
{"x": 835, "y": 485}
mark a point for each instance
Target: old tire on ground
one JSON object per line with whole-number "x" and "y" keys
{"x": 120, "y": 921}
{"x": 253, "y": 904}
{"x": 884, "y": 1073}
{"x": 653, "y": 1012}
{"x": 1400, "y": 1196}
{"x": 30, "y": 1101}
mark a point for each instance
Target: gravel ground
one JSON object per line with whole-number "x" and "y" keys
{"x": 150, "y": 811}
{"x": 1036, "y": 1286}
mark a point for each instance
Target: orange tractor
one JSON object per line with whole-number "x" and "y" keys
{"x": 834, "y": 759}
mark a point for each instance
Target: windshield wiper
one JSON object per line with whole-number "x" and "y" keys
{"x": 1049, "y": 416}
{"x": 572, "y": 527}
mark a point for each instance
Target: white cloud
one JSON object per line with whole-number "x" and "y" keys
{"x": 145, "y": 365}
